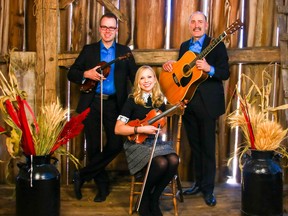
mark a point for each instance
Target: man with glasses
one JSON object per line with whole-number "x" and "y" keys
{"x": 110, "y": 93}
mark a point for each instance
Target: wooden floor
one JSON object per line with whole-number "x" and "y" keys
{"x": 117, "y": 203}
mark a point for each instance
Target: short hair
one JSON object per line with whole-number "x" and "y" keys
{"x": 198, "y": 12}
{"x": 109, "y": 15}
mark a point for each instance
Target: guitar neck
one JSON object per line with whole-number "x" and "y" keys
{"x": 161, "y": 115}
{"x": 208, "y": 49}
{"x": 232, "y": 28}
{"x": 212, "y": 45}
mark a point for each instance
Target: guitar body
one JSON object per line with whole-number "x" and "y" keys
{"x": 182, "y": 82}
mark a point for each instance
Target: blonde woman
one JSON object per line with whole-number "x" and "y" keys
{"x": 147, "y": 96}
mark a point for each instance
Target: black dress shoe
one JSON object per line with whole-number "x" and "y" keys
{"x": 100, "y": 197}
{"x": 103, "y": 192}
{"x": 78, "y": 183}
{"x": 210, "y": 199}
{"x": 192, "y": 191}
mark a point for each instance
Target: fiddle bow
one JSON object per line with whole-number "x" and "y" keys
{"x": 153, "y": 121}
{"x": 148, "y": 167}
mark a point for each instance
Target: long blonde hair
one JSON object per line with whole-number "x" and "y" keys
{"x": 157, "y": 95}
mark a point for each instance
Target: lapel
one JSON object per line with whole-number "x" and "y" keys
{"x": 117, "y": 54}
{"x": 97, "y": 51}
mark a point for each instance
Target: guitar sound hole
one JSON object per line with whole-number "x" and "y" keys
{"x": 186, "y": 70}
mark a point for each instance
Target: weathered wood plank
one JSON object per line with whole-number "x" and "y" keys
{"x": 23, "y": 65}
{"x": 150, "y": 24}
{"x": 181, "y": 10}
{"x": 282, "y": 9}
{"x": 282, "y": 20}
{"x": 158, "y": 57}
{"x": 64, "y": 3}
{"x": 111, "y": 7}
{"x": 17, "y": 20}
{"x": 79, "y": 23}
{"x": 46, "y": 48}
{"x": 256, "y": 55}
{"x": 4, "y": 26}
{"x": 259, "y": 55}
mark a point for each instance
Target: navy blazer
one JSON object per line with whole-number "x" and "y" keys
{"x": 88, "y": 58}
{"x": 211, "y": 90}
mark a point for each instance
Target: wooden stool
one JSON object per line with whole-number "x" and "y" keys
{"x": 173, "y": 128}
{"x": 136, "y": 185}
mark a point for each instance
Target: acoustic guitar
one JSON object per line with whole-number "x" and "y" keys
{"x": 182, "y": 82}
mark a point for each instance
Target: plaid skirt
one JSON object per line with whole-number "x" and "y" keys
{"x": 138, "y": 155}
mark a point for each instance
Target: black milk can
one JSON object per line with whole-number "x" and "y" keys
{"x": 262, "y": 185}
{"x": 38, "y": 188}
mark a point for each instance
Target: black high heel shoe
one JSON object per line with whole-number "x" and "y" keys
{"x": 144, "y": 209}
{"x": 155, "y": 209}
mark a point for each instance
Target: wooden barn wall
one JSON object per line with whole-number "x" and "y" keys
{"x": 142, "y": 27}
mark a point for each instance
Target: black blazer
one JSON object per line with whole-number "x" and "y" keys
{"x": 88, "y": 58}
{"x": 211, "y": 90}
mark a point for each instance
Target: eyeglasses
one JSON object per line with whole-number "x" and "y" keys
{"x": 108, "y": 28}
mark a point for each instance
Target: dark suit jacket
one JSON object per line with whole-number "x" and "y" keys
{"x": 211, "y": 90}
{"x": 88, "y": 58}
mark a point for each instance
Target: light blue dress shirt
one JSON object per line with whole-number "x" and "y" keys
{"x": 108, "y": 55}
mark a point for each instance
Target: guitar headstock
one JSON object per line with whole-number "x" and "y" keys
{"x": 234, "y": 27}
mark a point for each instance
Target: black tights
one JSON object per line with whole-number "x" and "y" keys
{"x": 162, "y": 170}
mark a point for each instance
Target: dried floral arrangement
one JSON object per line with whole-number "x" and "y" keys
{"x": 257, "y": 119}
{"x": 46, "y": 134}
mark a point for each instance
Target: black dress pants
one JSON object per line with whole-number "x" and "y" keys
{"x": 97, "y": 160}
{"x": 200, "y": 130}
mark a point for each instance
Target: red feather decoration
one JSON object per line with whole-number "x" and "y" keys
{"x": 32, "y": 114}
{"x": 249, "y": 125}
{"x": 27, "y": 140}
{"x": 70, "y": 130}
{"x": 12, "y": 112}
{"x": 2, "y": 129}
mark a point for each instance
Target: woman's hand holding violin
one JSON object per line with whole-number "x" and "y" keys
{"x": 147, "y": 129}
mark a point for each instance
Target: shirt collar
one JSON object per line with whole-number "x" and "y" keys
{"x": 200, "y": 41}
{"x": 103, "y": 47}
{"x": 145, "y": 96}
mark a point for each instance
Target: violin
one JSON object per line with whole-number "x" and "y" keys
{"x": 104, "y": 69}
{"x": 155, "y": 118}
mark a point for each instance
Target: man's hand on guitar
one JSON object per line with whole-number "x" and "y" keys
{"x": 167, "y": 66}
{"x": 93, "y": 74}
{"x": 203, "y": 65}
